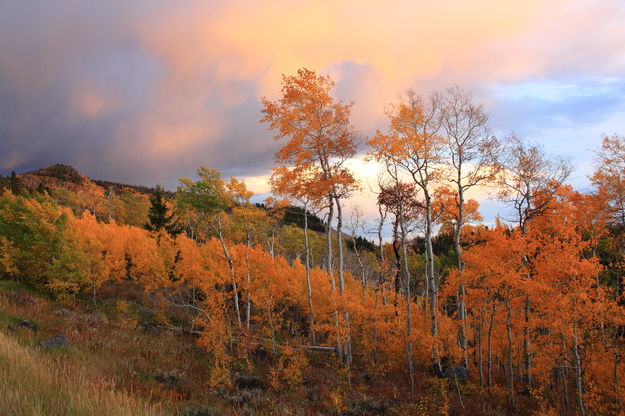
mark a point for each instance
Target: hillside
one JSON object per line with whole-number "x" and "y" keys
{"x": 68, "y": 177}
{"x": 121, "y": 362}
{"x": 40, "y": 382}
{"x": 58, "y": 179}
{"x": 223, "y": 307}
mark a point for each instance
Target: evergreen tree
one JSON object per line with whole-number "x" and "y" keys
{"x": 158, "y": 214}
{"x": 42, "y": 189}
{"x": 15, "y": 184}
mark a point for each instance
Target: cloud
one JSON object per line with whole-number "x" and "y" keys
{"x": 148, "y": 91}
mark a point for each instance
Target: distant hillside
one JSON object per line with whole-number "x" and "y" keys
{"x": 56, "y": 176}
{"x": 63, "y": 173}
{"x": 68, "y": 177}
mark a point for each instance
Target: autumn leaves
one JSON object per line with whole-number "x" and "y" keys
{"x": 526, "y": 283}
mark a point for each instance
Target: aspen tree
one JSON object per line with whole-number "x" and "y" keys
{"x": 319, "y": 139}
{"x": 471, "y": 160}
{"x": 530, "y": 173}
{"x": 414, "y": 144}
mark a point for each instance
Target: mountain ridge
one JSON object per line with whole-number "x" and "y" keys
{"x": 66, "y": 176}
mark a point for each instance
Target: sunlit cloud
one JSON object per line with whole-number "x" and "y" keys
{"x": 147, "y": 92}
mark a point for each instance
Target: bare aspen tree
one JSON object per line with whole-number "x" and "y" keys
{"x": 471, "y": 160}
{"x": 529, "y": 172}
{"x": 399, "y": 198}
{"x": 355, "y": 226}
{"x": 413, "y": 142}
{"x": 609, "y": 177}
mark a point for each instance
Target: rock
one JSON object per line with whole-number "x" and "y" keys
{"x": 381, "y": 407}
{"x": 459, "y": 372}
{"x": 368, "y": 407}
{"x": 28, "y": 325}
{"x": 147, "y": 327}
{"x": 170, "y": 379}
{"x": 237, "y": 399}
{"x": 248, "y": 381}
{"x": 55, "y": 341}
{"x": 313, "y": 395}
{"x": 61, "y": 312}
{"x": 248, "y": 411}
{"x": 201, "y": 411}
{"x": 436, "y": 372}
{"x": 96, "y": 319}
{"x": 367, "y": 377}
{"x": 260, "y": 353}
{"x": 244, "y": 398}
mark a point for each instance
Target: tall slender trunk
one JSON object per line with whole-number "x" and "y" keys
{"x": 489, "y": 346}
{"x": 94, "y": 288}
{"x": 308, "y": 285}
{"x": 384, "y": 300}
{"x": 426, "y": 309}
{"x": 273, "y": 243}
{"x": 526, "y": 343}
{"x": 328, "y": 265}
{"x": 361, "y": 265}
{"x": 462, "y": 316}
{"x": 339, "y": 242}
{"x": 375, "y": 325}
{"x": 408, "y": 296}
{"x": 510, "y": 359}
{"x": 231, "y": 266}
{"x": 615, "y": 380}
{"x": 462, "y": 313}
{"x": 565, "y": 389}
{"x": 396, "y": 251}
{"x": 330, "y": 271}
{"x": 273, "y": 332}
{"x": 479, "y": 344}
{"x": 381, "y": 246}
{"x": 527, "y": 353}
{"x": 248, "y": 311}
{"x": 579, "y": 382}
{"x": 432, "y": 281}
{"x": 458, "y": 229}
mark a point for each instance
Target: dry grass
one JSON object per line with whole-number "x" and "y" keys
{"x": 36, "y": 384}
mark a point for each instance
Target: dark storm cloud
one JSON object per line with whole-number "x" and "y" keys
{"x": 77, "y": 86}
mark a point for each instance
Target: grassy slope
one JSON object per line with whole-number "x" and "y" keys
{"x": 109, "y": 353}
{"x": 33, "y": 383}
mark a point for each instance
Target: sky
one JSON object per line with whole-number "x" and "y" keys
{"x": 146, "y": 91}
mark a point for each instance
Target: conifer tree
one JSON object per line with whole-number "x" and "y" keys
{"x": 15, "y": 184}
{"x": 159, "y": 217}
